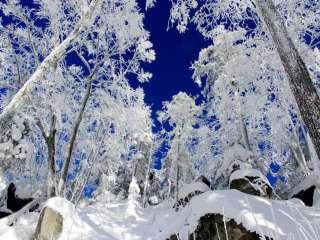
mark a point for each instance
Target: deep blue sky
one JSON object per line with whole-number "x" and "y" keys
{"x": 175, "y": 54}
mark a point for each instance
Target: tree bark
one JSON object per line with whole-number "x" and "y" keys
{"x": 299, "y": 78}
{"x": 245, "y": 134}
{"x": 51, "y": 143}
{"x": 64, "y": 174}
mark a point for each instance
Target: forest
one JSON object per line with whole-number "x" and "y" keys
{"x": 88, "y": 151}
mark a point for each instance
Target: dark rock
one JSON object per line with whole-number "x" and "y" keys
{"x": 4, "y": 214}
{"x": 50, "y": 225}
{"x": 212, "y": 227}
{"x": 246, "y": 185}
{"x": 306, "y": 196}
{"x": 14, "y": 203}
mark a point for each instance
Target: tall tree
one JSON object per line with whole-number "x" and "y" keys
{"x": 181, "y": 114}
{"x": 238, "y": 14}
{"x": 90, "y": 95}
{"x": 299, "y": 78}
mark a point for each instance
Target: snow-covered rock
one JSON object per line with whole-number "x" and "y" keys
{"x": 215, "y": 227}
{"x": 279, "y": 220}
{"x": 248, "y": 172}
{"x": 14, "y": 202}
{"x": 250, "y": 181}
{"x": 308, "y": 190}
{"x": 49, "y": 226}
{"x": 191, "y": 188}
{"x": 60, "y": 207}
{"x": 188, "y": 191}
{"x": 153, "y": 200}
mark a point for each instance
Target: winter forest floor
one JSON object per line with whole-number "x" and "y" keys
{"x": 126, "y": 220}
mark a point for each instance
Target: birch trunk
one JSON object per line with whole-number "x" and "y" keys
{"x": 299, "y": 78}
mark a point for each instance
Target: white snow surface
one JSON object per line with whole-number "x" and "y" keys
{"x": 3, "y": 183}
{"x": 111, "y": 221}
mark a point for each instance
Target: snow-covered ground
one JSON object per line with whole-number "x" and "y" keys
{"x": 126, "y": 220}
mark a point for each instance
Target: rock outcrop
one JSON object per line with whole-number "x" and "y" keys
{"x": 50, "y": 225}
{"x": 252, "y": 182}
{"x": 14, "y": 202}
{"x": 215, "y": 227}
{"x": 10, "y": 202}
{"x": 306, "y": 196}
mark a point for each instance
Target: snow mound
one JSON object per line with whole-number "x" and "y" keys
{"x": 192, "y": 187}
{"x": 279, "y": 220}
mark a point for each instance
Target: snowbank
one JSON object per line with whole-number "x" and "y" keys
{"x": 280, "y": 220}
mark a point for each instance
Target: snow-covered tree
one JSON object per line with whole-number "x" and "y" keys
{"x": 252, "y": 67}
{"x": 89, "y": 98}
{"x": 181, "y": 114}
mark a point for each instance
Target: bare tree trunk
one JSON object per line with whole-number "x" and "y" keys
{"x": 51, "y": 143}
{"x": 245, "y": 134}
{"x": 177, "y": 183}
{"x": 146, "y": 180}
{"x": 178, "y": 172}
{"x": 299, "y": 78}
{"x": 64, "y": 174}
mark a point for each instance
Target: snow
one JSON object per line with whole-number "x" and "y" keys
{"x": 146, "y": 51}
{"x": 276, "y": 219}
{"x": 23, "y": 228}
{"x": 134, "y": 190}
{"x": 235, "y": 154}
{"x": 280, "y": 220}
{"x": 190, "y": 188}
{"x": 3, "y": 183}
